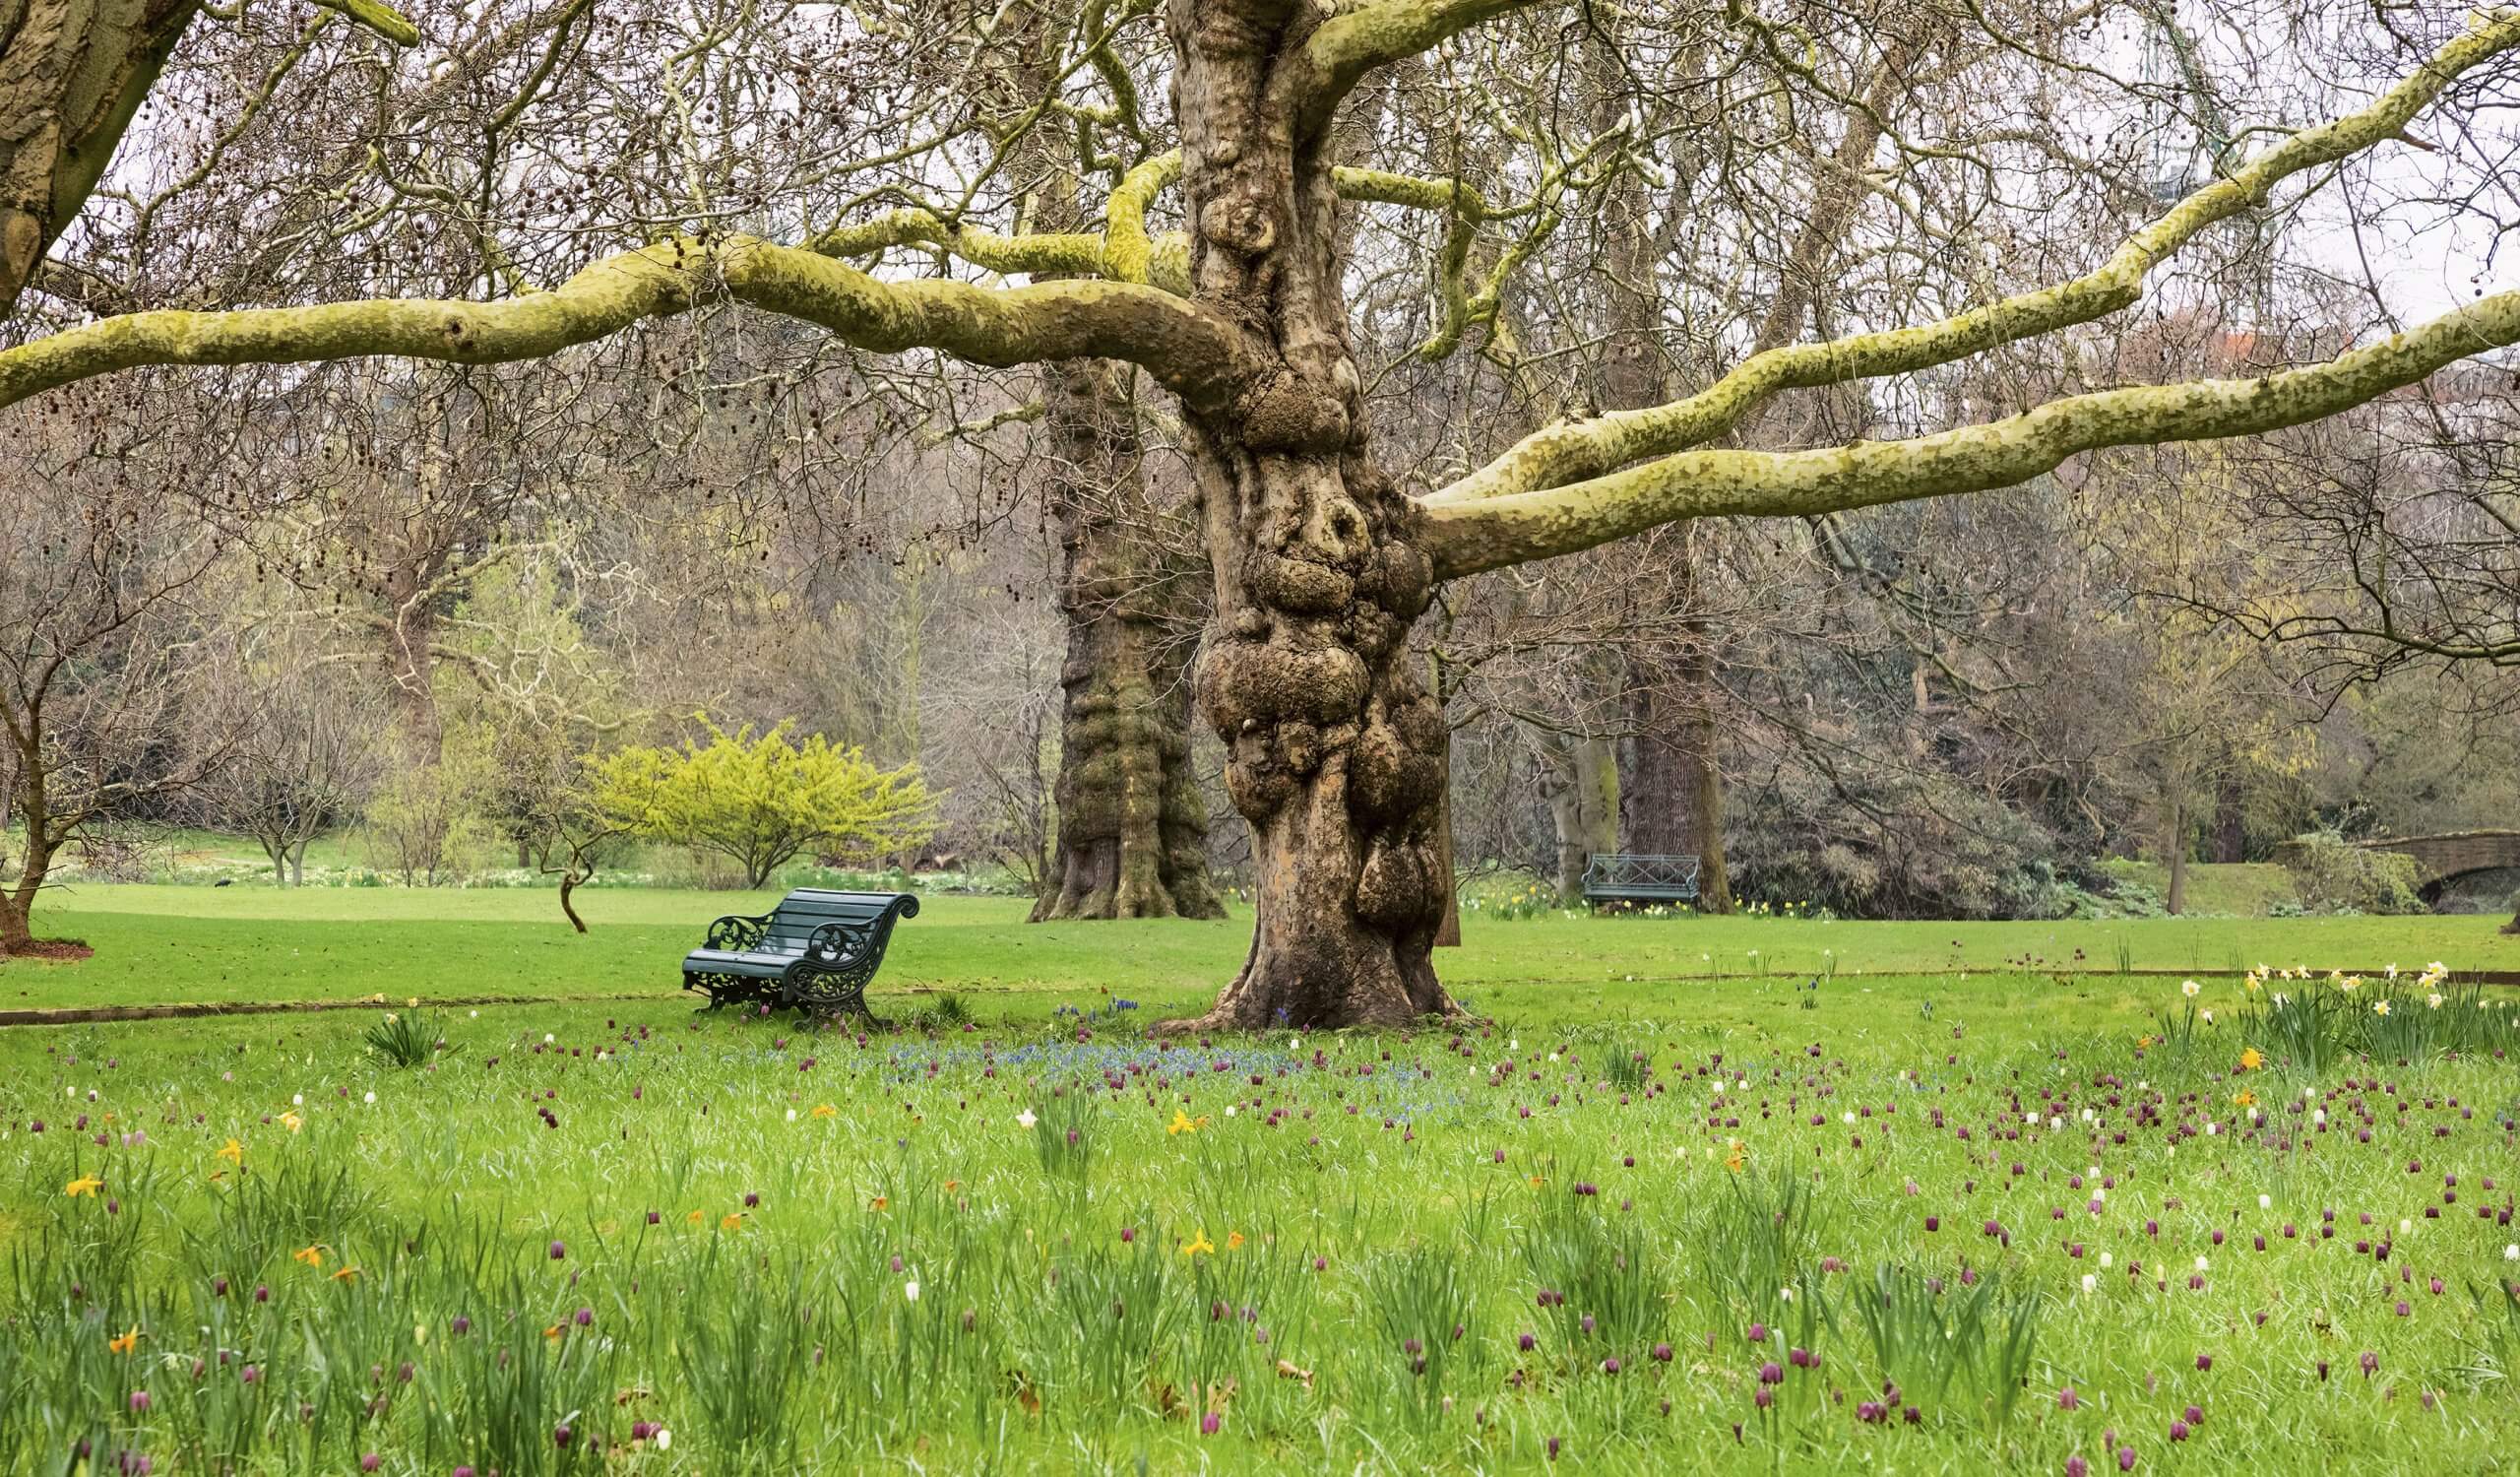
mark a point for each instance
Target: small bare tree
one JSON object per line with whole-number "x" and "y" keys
{"x": 303, "y": 758}
{"x": 96, "y": 579}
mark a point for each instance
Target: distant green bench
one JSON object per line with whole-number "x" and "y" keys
{"x": 816, "y": 949}
{"x": 1635, "y": 877}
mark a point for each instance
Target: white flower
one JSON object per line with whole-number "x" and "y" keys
{"x": 2106, "y": 1260}
{"x": 1295, "y": 1045}
{"x": 2511, "y": 1252}
{"x": 1228, "y": 1110}
{"x": 2405, "y": 1227}
{"x": 2433, "y": 1000}
{"x": 2091, "y": 1283}
{"x": 371, "y": 1096}
{"x": 665, "y": 1440}
{"x": 1025, "y": 1119}
{"x": 2189, "y": 987}
{"x": 2202, "y": 1264}
{"x": 298, "y": 1100}
{"x": 2209, "y": 1017}
{"x": 548, "y": 1037}
{"x": 476, "y": 1015}
{"x": 2265, "y": 1203}
{"x": 2092, "y": 1173}
{"x": 1514, "y": 1044}
{"x": 1786, "y": 1293}
{"x": 910, "y": 1289}
{"x": 791, "y": 1114}
{"x": 2030, "y": 1118}
{"x": 1553, "y": 1055}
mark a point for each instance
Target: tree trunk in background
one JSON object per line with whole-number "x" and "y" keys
{"x": 1336, "y": 753}
{"x": 1579, "y": 778}
{"x": 1132, "y": 825}
{"x": 18, "y": 901}
{"x": 1670, "y": 800}
{"x": 74, "y": 74}
{"x": 1130, "y": 839}
{"x": 2230, "y": 830}
{"x": 2174, "y": 855}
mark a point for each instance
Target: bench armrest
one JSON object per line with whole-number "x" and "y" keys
{"x": 837, "y": 943}
{"x": 735, "y": 933}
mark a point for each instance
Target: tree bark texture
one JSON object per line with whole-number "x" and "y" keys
{"x": 72, "y": 73}
{"x": 1336, "y": 753}
{"x": 1132, "y": 822}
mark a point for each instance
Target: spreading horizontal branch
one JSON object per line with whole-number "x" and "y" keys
{"x": 1337, "y": 56}
{"x": 1570, "y": 451}
{"x": 1465, "y": 538}
{"x": 1182, "y": 345}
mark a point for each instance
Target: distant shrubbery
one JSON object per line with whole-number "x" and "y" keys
{"x": 2335, "y": 875}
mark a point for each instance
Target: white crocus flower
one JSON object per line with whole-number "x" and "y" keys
{"x": 1025, "y": 1119}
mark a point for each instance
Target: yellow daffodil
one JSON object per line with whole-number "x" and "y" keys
{"x": 124, "y": 1342}
{"x": 732, "y": 1220}
{"x": 233, "y": 1151}
{"x": 1183, "y": 1123}
{"x": 2245, "y": 1098}
{"x": 2251, "y": 1061}
{"x": 825, "y": 1110}
{"x": 84, "y": 1184}
{"x": 311, "y": 1255}
{"x": 1200, "y": 1246}
{"x": 292, "y": 1121}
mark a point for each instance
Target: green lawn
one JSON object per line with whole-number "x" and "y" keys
{"x": 815, "y": 1250}
{"x": 159, "y": 945}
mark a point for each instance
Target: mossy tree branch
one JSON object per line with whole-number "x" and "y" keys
{"x": 1465, "y": 538}
{"x": 1182, "y": 345}
{"x": 1571, "y": 451}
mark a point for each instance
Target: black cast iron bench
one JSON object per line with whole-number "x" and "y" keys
{"x": 1624, "y": 877}
{"x": 816, "y": 949}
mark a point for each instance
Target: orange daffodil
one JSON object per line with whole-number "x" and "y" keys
{"x": 126, "y": 1341}
{"x": 1183, "y": 1123}
{"x": 310, "y": 1256}
{"x": 825, "y": 1110}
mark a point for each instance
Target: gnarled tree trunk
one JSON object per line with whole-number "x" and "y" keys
{"x": 1336, "y": 753}
{"x": 1132, "y": 823}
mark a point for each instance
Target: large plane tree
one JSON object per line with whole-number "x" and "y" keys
{"x": 1323, "y": 561}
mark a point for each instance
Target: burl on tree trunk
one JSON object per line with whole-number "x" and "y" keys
{"x": 1335, "y": 753}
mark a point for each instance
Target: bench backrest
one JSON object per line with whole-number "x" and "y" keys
{"x": 800, "y": 912}
{"x": 1636, "y": 875}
